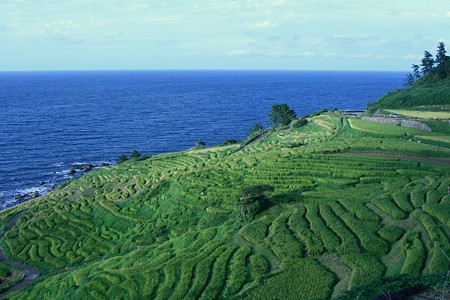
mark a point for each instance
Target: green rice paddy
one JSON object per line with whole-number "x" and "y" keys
{"x": 346, "y": 210}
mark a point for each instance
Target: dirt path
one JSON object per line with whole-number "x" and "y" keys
{"x": 251, "y": 141}
{"x": 30, "y": 272}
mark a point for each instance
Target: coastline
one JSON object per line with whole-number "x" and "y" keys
{"x": 14, "y": 197}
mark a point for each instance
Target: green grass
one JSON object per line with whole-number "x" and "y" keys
{"x": 430, "y": 90}
{"x": 167, "y": 227}
{"x": 385, "y": 129}
{"x": 411, "y": 134}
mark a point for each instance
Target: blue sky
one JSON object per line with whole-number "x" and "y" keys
{"x": 214, "y": 34}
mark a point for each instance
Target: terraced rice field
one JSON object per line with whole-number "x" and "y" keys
{"x": 167, "y": 227}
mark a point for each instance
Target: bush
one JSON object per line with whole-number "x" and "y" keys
{"x": 299, "y": 123}
{"x": 135, "y": 155}
{"x": 230, "y": 142}
{"x": 256, "y": 130}
{"x": 252, "y": 201}
{"x": 122, "y": 158}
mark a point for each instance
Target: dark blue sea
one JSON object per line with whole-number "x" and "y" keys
{"x": 52, "y": 121}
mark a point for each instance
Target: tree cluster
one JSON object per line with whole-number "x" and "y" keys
{"x": 256, "y": 129}
{"x": 281, "y": 115}
{"x": 135, "y": 155}
{"x": 252, "y": 200}
{"x": 427, "y": 64}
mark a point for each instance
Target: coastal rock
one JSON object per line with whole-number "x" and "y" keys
{"x": 72, "y": 171}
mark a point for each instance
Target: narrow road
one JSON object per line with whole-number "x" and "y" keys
{"x": 251, "y": 141}
{"x": 30, "y": 272}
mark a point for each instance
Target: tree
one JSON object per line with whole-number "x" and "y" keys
{"x": 252, "y": 200}
{"x": 416, "y": 70}
{"x": 409, "y": 79}
{"x": 122, "y": 158}
{"x": 427, "y": 63}
{"x": 230, "y": 142}
{"x": 281, "y": 115}
{"x": 440, "y": 55}
{"x": 256, "y": 129}
{"x": 134, "y": 154}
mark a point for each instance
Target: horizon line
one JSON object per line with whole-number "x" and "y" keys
{"x": 199, "y": 70}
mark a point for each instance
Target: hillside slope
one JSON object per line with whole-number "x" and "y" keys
{"x": 432, "y": 89}
{"x": 348, "y": 209}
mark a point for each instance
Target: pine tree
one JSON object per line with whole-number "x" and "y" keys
{"x": 135, "y": 154}
{"x": 440, "y": 55}
{"x": 427, "y": 63}
{"x": 409, "y": 79}
{"x": 416, "y": 70}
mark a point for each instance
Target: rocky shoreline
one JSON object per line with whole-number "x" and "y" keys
{"x": 44, "y": 187}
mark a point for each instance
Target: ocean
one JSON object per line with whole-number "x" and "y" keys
{"x": 54, "y": 121}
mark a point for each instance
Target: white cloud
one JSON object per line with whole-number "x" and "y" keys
{"x": 278, "y": 54}
{"x": 264, "y": 25}
{"x": 235, "y": 53}
{"x": 448, "y": 14}
{"x": 308, "y": 54}
{"x": 168, "y": 19}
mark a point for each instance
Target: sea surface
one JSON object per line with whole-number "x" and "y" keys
{"x": 52, "y": 121}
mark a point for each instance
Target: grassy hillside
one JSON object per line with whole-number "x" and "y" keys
{"x": 432, "y": 89}
{"x": 350, "y": 208}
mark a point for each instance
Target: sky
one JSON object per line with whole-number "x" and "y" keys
{"x": 387, "y": 35}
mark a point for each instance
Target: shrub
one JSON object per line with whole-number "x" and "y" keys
{"x": 135, "y": 155}
{"x": 299, "y": 123}
{"x": 230, "y": 142}
{"x": 252, "y": 201}
{"x": 122, "y": 158}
